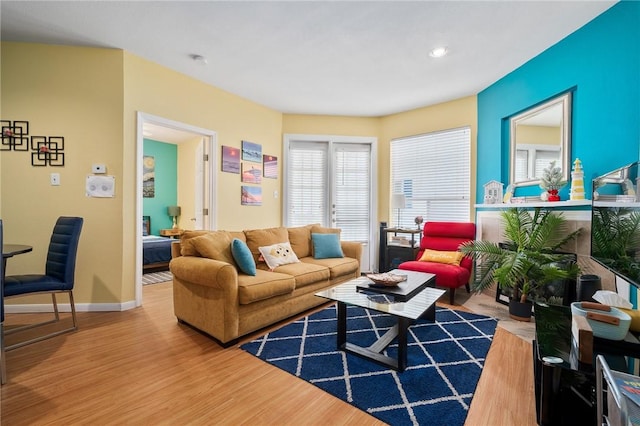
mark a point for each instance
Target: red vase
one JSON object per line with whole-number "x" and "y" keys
{"x": 553, "y": 195}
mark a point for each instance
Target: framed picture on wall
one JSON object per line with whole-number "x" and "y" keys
{"x": 251, "y": 173}
{"x": 251, "y": 152}
{"x": 251, "y": 196}
{"x": 270, "y": 166}
{"x": 230, "y": 159}
{"x": 148, "y": 176}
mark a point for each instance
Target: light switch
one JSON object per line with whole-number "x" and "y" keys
{"x": 99, "y": 168}
{"x": 55, "y": 179}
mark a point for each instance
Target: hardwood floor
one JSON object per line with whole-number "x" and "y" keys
{"x": 142, "y": 367}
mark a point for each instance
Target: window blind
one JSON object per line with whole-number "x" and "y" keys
{"x": 433, "y": 172}
{"x": 352, "y": 191}
{"x": 307, "y": 183}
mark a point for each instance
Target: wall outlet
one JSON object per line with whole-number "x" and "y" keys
{"x": 55, "y": 179}
{"x": 99, "y": 168}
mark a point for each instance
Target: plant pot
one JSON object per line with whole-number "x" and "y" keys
{"x": 520, "y": 311}
{"x": 553, "y": 195}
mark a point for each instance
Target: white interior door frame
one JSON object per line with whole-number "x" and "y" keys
{"x": 211, "y": 143}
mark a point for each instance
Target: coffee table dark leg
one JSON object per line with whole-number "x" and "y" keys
{"x": 403, "y": 329}
{"x": 342, "y": 325}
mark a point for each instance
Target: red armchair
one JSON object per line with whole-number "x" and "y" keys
{"x": 445, "y": 237}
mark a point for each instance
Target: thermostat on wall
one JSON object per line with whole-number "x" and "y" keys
{"x": 99, "y": 168}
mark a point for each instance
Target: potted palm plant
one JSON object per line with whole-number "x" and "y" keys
{"x": 527, "y": 260}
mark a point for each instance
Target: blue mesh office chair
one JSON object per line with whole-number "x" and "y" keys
{"x": 58, "y": 277}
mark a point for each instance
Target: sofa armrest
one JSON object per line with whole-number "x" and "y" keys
{"x": 352, "y": 249}
{"x": 204, "y": 271}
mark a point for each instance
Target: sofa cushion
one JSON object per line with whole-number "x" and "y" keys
{"x": 318, "y": 229}
{"x": 214, "y": 245}
{"x": 187, "y": 248}
{"x": 242, "y": 256}
{"x": 257, "y": 238}
{"x": 263, "y": 285}
{"x": 442, "y": 256}
{"x": 278, "y": 254}
{"x": 300, "y": 239}
{"x": 305, "y": 273}
{"x": 326, "y": 245}
{"x": 338, "y": 266}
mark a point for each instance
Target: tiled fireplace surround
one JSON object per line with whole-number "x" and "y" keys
{"x": 489, "y": 227}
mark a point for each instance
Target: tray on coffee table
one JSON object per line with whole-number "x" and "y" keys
{"x": 405, "y": 290}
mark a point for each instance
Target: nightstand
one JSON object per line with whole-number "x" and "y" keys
{"x": 171, "y": 232}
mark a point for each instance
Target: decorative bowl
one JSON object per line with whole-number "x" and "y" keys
{"x": 387, "y": 279}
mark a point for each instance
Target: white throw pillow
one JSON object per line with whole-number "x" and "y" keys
{"x": 278, "y": 254}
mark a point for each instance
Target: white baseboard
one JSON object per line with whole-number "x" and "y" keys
{"x": 65, "y": 307}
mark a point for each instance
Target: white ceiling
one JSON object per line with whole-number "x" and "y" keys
{"x": 354, "y": 58}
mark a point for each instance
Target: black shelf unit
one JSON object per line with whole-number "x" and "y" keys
{"x": 391, "y": 255}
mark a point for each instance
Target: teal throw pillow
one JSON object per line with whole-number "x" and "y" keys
{"x": 243, "y": 257}
{"x": 326, "y": 246}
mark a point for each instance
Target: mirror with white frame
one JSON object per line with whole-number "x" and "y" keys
{"x": 538, "y": 136}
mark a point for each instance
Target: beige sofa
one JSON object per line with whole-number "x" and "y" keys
{"x": 211, "y": 294}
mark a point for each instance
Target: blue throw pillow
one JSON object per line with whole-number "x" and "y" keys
{"x": 243, "y": 257}
{"x": 326, "y": 246}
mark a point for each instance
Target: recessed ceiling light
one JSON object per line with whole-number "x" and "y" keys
{"x": 438, "y": 52}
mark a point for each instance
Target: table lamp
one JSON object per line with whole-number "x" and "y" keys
{"x": 398, "y": 202}
{"x": 174, "y": 212}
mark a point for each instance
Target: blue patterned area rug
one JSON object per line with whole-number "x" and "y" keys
{"x": 444, "y": 363}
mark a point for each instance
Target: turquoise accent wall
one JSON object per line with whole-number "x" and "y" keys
{"x": 166, "y": 181}
{"x": 601, "y": 63}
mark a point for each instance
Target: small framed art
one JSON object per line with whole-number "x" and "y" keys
{"x": 251, "y": 173}
{"x": 251, "y": 196}
{"x": 251, "y": 151}
{"x": 230, "y": 159}
{"x": 270, "y": 166}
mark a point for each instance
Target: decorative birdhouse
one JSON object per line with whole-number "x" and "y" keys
{"x": 493, "y": 192}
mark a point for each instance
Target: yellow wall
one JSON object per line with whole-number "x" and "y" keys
{"x": 330, "y": 125}
{"x": 449, "y": 115}
{"x": 156, "y": 90}
{"x": 539, "y": 135}
{"x": 92, "y": 96}
{"x": 75, "y": 93}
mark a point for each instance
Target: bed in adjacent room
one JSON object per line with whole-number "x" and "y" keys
{"x": 156, "y": 250}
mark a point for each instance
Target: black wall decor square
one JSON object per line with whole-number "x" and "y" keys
{"x": 47, "y": 151}
{"x": 15, "y": 136}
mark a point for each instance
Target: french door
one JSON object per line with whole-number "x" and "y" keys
{"x": 329, "y": 180}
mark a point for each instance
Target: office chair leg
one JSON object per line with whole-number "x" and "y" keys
{"x": 47, "y": 336}
{"x": 3, "y": 358}
{"x": 73, "y": 310}
{"x": 55, "y": 306}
